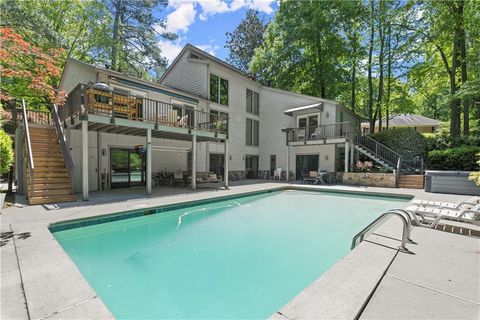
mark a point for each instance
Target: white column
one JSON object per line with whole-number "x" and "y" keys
{"x": 84, "y": 160}
{"x": 19, "y": 160}
{"x": 225, "y": 167}
{"x": 346, "y": 155}
{"x": 149, "y": 161}
{"x": 352, "y": 152}
{"x": 287, "y": 176}
{"x": 194, "y": 161}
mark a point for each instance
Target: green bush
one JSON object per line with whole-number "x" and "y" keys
{"x": 406, "y": 141}
{"x": 475, "y": 176}
{"x": 459, "y": 158}
{"x": 440, "y": 141}
{"x": 6, "y": 152}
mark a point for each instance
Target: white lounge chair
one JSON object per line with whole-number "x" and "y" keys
{"x": 431, "y": 216}
{"x": 470, "y": 202}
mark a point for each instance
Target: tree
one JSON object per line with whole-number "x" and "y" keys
{"x": 243, "y": 41}
{"x": 135, "y": 33}
{"x": 27, "y": 70}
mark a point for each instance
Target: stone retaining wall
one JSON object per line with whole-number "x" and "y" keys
{"x": 387, "y": 180}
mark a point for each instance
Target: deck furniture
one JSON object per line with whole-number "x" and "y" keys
{"x": 471, "y": 202}
{"x": 277, "y": 173}
{"x": 204, "y": 177}
{"x": 179, "y": 179}
{"x": 322, "y": 177}
{"x": 311, "y": 177}
{"x": 106, "y": 102}
{"x": 432, "y": 215}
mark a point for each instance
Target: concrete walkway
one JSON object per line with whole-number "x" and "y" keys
{"x": 39, "y": 280}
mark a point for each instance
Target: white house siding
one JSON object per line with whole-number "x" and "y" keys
{"x": 76, "y": 73}
{"x": 326, "y": 159}
{"x": 162, "y": 160}
{"x": 188, "y": 76}
{"x": 273, "y": 103}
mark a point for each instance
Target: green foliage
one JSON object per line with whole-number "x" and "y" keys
{"x": 243, "y": 41}
{"x": 6, "y": 152}
{"x": 441, "y": 141}
{"x": 408, "y": 142}
{"x": 458, "y": 158}
{"x": 475, "y": 176}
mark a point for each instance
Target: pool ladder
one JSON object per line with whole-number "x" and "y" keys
{"x": 407, "y": 227}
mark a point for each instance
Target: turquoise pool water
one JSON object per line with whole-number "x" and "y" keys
{"x": 237, "y": 258}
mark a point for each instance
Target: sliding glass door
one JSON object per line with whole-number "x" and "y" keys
{"x": 127, "y": 168}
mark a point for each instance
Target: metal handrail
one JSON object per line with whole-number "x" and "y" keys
{"x": 378, "y": 149}
{"x": 67, "y": 158}
{"x": 29, "y": 145}
{"x": 407, "y": 223}
{"x": 320, "y": 132}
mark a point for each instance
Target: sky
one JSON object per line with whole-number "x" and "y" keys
{"x": 203, "y": 23}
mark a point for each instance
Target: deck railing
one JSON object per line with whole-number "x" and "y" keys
{"x": 327, "y": 131}
{"x": 378, "y": 149}
{"x": 87, "y": 99}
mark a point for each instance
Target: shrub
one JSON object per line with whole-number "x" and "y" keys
{"x": 6, "y": 152}
{"x": 439, "y": 141}
{"x": 475, "y": 176}
{"x": 459, "y": 158}
{"x": 406, "y": 141}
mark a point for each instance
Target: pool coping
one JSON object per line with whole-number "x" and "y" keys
{"x": 52, "y": 284}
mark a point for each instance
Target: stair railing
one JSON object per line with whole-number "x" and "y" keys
{"x": 67, "y": 158}
{"x": 380, "y": 150}
{"x": 28, "y": 142}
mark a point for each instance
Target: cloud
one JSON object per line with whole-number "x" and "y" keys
{"x": 181, "y": 18}
{"x": 209, "y": 48}
{"x": 211, "y": 7}
{"x": 170, "y": 49}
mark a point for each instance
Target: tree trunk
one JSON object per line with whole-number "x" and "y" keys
{"x": 381, "y": 34}
{"x": 389, "y": 75}
{"x": 463, "y": 68}
{"x": 455, "y": 106}
{"x": 116, "y": 26}
{"x": 369, "y": 69}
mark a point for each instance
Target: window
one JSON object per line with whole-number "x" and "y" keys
{"x": 251, "y": 133}
{"x": 218, "y": 120}
{"x": 253, "y": 100}
{"x": 302, "y": 122}
{"x": 218, "y": 90}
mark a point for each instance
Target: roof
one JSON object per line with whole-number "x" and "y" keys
{"x": 145, "y": 84}
{"x": 291, "y": 111}
{"x": 411, "y": 120}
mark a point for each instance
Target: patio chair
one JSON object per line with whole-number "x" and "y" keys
{"x": 277, "y": 173}
{"x": 431, "y": 216}
{"x": 178, "y": 178}
{"x": 471, "y": 202}
{"x": 301, "y": 134}
{"x": 183, "y": 122}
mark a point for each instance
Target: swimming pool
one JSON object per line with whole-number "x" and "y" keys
{"x": 241, "y": 257}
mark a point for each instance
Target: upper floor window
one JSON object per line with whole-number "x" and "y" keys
{"x": 218, "y": 90}
{"x": 251, "y": 137}
{"x": 253, "y": 102}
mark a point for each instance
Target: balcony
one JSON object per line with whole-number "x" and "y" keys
{"x": 323, "y": 134}
{"x": 85, "y": 100}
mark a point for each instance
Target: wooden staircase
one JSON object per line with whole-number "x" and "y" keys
{"x": 51, "y": 183}
{"x": 411, "y": 181}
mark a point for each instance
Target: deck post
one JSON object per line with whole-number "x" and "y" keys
{"x": 194, "y": 160}
{"x": 19, "y": 159}
{"x": 84, "y": 160}
{"x": 287, "y": 175}
{"x": 352, "y": 153}
{"x": 225, "y": 167}
{"x": 346, "y": 155}
{"x": 149, "y": 162}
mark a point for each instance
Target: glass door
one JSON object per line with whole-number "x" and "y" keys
{"x": 305, "y": 164}
{"x": 251, "y": 167}
{"x": 127, "y": 168}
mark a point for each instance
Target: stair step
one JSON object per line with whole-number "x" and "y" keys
{"x": 51, "y": 192}
{"x": 40, "y": 175}
{"x": 51, "y": 180}
{"x": 51, "y": 199}
{"x": 52, "y": 185}
{"x": 52, "y": 162}
{"x": 44, "y": 169}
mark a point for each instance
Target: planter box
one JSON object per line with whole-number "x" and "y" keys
{"x": 455, "y": 182}
{"x": 387, "y": 180}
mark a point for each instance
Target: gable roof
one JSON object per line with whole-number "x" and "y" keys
{"x": 411, "y": 120}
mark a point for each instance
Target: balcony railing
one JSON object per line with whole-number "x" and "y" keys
{"x": 87, "y": 99}
{"x": 318, "y": 133}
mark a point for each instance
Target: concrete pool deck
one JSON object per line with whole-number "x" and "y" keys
{"x": 39, "y": 280}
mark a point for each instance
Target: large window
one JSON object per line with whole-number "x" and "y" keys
{"x": 218, "y": 90}
{"x": 253, "y": 101}
{"x": 251, "y": 133}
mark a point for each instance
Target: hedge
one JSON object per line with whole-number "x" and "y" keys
{"x": 406, "y": 141}
{"x": 439, "y": 141}
{"x": 6, "y": 152}
{"x": 460, "y": 158}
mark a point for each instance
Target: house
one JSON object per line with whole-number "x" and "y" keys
{"x": 417, "y": 122}
{"x": 204, "y": 118}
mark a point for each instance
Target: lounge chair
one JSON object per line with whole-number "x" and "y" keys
{"x": 470, "y": 202}
{"x": 434, "y": 215}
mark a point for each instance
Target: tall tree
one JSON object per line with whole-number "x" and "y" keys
{"x": 371, "y": 40}
{"x": 243, "y": 41}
